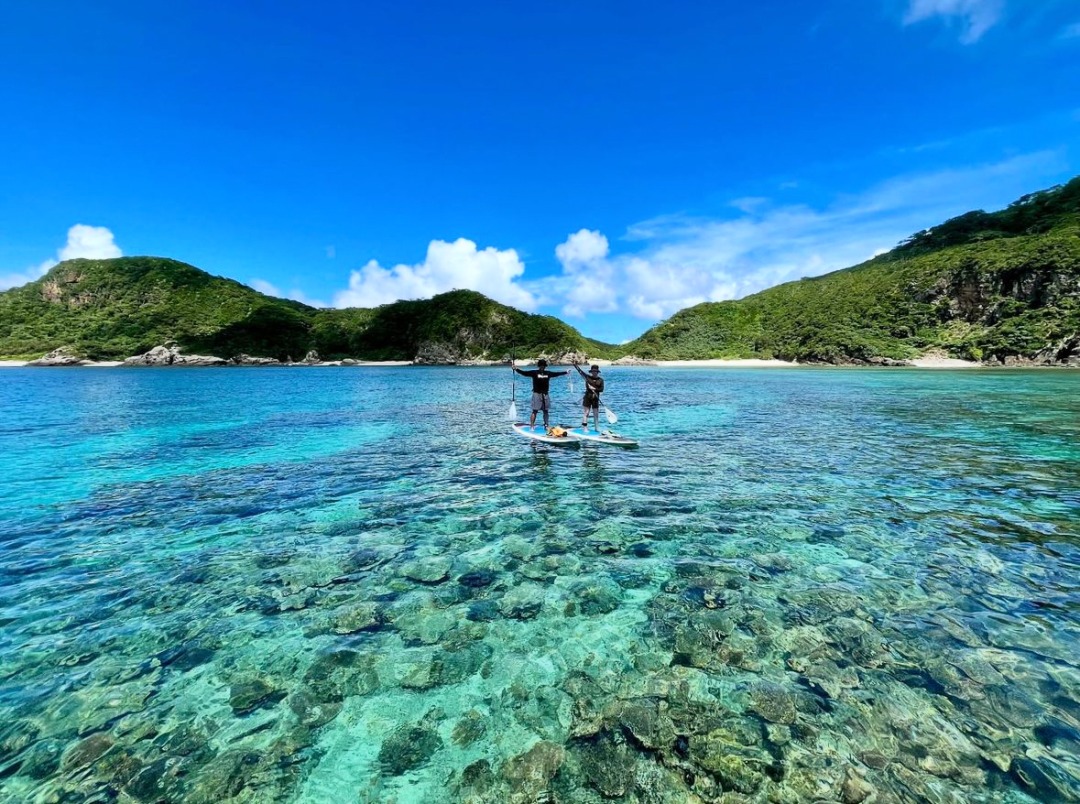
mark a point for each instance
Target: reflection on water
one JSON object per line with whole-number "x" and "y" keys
{"x": 341, "y": 585}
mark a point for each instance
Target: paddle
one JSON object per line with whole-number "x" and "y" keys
{"x": 611, "y": 417}
{"x": 513, "y": 392}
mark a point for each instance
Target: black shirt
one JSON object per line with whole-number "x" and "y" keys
{"x": 541, "y": 378}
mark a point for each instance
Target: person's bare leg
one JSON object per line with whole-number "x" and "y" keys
{"x": 532, "y": 420}
{"x": 585, "y": 418}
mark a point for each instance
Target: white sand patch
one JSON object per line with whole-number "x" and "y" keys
{"x": 746, "y": 363}
{"x": 938, "y": 361}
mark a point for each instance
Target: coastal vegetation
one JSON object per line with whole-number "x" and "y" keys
{"x": 993, "y": 287}
{"x": 996, "y": 287}
{"x": 115, "y": 308}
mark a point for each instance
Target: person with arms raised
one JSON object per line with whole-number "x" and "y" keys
{"x": 590, "y": 403}
{"x": 541, "y": 389}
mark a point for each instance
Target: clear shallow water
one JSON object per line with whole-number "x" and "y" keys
{"x": 321, "y": 585}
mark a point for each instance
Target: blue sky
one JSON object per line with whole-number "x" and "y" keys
{"x": 607, "y": 162}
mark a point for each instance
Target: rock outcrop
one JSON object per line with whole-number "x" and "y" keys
{"x": 58, "y": 357}
{"x": 170, "y": 355}
{"x": 633, "y": 360}
{"x": 436, "y": 354}
{"x": 248, "y": 360}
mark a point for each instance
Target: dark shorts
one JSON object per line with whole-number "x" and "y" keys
{"x": 591, "y": 401}
{"x": 541, "y": 402}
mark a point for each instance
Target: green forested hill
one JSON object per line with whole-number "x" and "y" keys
{"x": 986, "y": 286}
{"x": 452, "y": 326}
{"x": 121, "y": 307}
{"x": 998, "y": 287}
{"x": 116, "y": 308}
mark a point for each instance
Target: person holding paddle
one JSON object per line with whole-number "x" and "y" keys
{"x": 590, "y": 403}
{"x": 541, "y": 388}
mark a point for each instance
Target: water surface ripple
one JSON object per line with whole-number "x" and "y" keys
{"x": 330, "y": 584}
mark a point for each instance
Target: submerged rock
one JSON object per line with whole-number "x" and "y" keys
{"x": 42, "y": 759}
{"x": 483, "y": 611}
{"x": 857, "y": 640}
{"x": 470, "y": 728}
{"x": 251, "y": 694}
{"x": 733, "y": 771}
{"x": 334, "y": 676}
{"x": 478, "y": 578}
{"x": 427, "y": 570}
{"x": 855, "y": 789}
{"x": 607, "y": 766}
{"x": 596, "y": 595}
{"x": 223, "y": 777}
{"x": 476, "y": 780}
{"x": 523, "y": 602}
{"x": 529, "y": 774}
{"x": 365, "y": 617}
{"x": 408, "y": 747}
{"x": 1046, "y": 779}
{"x": 87, "y": 751}
{"x": 310, "y": 711}
{"x": 773, "y": 702}
{"x": 646, "y": 725}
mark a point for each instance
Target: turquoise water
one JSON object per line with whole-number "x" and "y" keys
{"x": 331, "y": 584}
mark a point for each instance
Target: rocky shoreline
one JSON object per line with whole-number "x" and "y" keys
{"x": 170, "y": 354}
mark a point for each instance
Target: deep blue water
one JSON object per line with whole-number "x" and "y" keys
{"x": 343, "y": 584}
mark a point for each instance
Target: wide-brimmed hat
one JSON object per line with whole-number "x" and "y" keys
{"x": 541, "y": 362}
{"x": 594, "y": 370}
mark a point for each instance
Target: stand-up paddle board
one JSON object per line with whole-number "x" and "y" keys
{"x": 540, "y": 433}
{"x": 603, "y": 437}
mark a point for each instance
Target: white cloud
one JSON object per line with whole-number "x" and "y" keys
{"x": 265, "y": 287}
{"x": 447, "y": 266}
{"x": 270, "y": 289}
{"x": 90, "y": 242}
{"x": 583, "y": 247}
{"x": 977, "y": 16}
{"x": 681, "y": 261}
{"x": 587, "y": 274}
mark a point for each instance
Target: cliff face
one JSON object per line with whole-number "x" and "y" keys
{"x": 1016, "y": 303}
{"x": 1003, "y": 288}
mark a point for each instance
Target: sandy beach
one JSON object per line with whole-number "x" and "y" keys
{"x": 927, "y": 361}
{"x": 936, "y": 361}
{"x": 720, "y": 363}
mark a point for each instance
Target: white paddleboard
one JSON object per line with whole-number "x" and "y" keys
{"x": 539, "y": 433}
{"x": 603, "y": 437}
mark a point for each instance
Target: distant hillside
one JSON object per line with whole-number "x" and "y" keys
{"x": 121, "y": 307}
{"x": 998, "y": 287}
{"x": 110, "y": 309}
{"x": 450, "y": 327}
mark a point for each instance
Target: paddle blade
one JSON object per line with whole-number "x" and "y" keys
{"x": 611, "y": 417}
{"x": 513, "y": 412}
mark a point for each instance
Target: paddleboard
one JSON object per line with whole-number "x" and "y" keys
{"x": 603, "y": 437}
{"x": 539, "y": 433}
